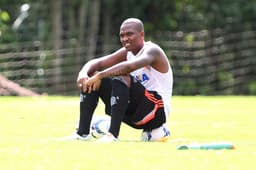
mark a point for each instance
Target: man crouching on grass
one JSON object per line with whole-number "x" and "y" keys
{"x": 135, "y": 84}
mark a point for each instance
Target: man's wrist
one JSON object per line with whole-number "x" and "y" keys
{"x": 100, "y": 75}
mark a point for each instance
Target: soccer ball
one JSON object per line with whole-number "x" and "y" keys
{"x": 158, "y": 134}
{"x": 100, "y": 126}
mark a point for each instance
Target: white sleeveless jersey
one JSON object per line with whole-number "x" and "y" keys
{"x": 154, "y": 80}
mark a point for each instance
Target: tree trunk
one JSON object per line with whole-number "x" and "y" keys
{"x": 70, "y": 10}
{"x": 82, "y": 20}
{"x": 94, "y": 27}
{"x": 8, "y": 88}
{"x": 83, "y": 11}
{"x": 57, "y": 38}
{"x": 107, "y": 33}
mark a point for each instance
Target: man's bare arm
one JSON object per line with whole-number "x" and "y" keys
{"x": 91, "y": 67}
{"x": 126, "y": 67}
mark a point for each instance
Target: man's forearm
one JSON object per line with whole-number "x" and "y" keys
{"x": 89, "y": 68}
{"x": 117, "y": 70}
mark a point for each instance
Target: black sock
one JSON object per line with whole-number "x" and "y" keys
{"x": 119, "y": 103}
{"x": 88, "y": 103}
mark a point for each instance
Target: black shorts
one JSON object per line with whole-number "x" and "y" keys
{"x": 145, "y": 108}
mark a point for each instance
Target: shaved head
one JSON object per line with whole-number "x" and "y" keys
{"x": 137, "y": 24}
{"x": 132, "y": 34}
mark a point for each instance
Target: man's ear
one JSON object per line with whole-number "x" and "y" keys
{"x": 142, "y": 33}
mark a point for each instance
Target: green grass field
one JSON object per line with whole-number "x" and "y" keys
{"x": 29, "y": 128}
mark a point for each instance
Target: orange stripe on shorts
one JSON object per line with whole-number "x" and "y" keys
{"x": 151, "y": 115}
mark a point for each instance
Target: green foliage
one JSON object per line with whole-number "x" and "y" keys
{"x": 4, "y": 16}
{"x": 224, "y": 82}
{"x": 185, "y": 87}
{"x": 189, "y": 38}
{"x": 5, "y": 30}
{"x": 252, "y": 88}
{"x": 221, "y": 12}
{"x": 225, "y": 76}
{"x": 185, "y": 15}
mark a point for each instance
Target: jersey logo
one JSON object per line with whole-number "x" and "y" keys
{"x": 114, "y": 100}
{"x": 82, "y": 97}
{"x": 142, "y": 78}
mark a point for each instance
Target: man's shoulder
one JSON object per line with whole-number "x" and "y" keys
{"x": 150, "y": 43}
{"x": 153, "y": 47}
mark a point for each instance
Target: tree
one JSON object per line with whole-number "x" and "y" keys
{"x": 57, "y": 33}
{"x": 93, "y": 28}
{"x": 8, "y": 87}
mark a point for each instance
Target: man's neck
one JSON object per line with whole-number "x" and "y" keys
{"x": 135, "y": 52}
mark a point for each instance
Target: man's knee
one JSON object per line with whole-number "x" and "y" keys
{"x": 124, "y": 79}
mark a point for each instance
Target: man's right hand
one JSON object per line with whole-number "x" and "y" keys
{"x": 81, "y": 83}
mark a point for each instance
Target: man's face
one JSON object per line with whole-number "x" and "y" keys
{"x": 131, "y": 38}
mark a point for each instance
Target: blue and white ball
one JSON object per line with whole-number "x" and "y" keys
{"x": 158, "y": 134}
{"x": 100, "y": 126}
